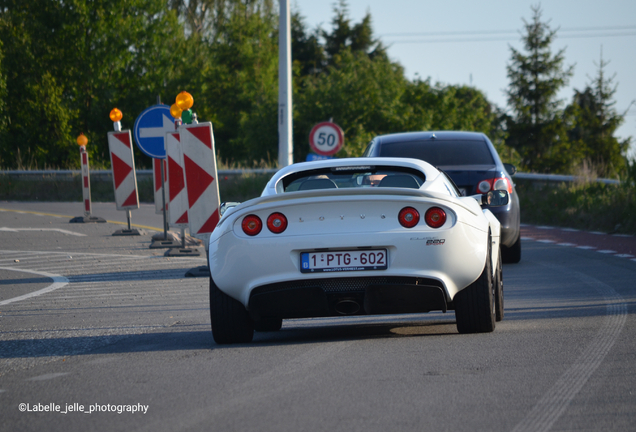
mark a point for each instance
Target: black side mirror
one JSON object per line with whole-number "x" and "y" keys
{"x": 495, "y": 198}
{"x": 510, "y": 168}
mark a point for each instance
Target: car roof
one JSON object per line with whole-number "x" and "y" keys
{"x": 439, "y": 135}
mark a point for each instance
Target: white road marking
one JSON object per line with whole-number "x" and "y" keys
{"x": 58, "y": 282}
{"x": 63, "y": 231}
{"x": 550, "y": 407}
{"x": 606, "y": 251}
{"x": 48, "y": 376}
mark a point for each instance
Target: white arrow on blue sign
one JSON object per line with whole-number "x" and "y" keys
{"x": 150, "y": 130}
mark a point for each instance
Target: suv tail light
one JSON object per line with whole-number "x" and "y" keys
{"x": 435, "y": 217}
{"x": 408, "y": 217}
{"x": 277, "y": 223}
{"x": 251, "y": 225}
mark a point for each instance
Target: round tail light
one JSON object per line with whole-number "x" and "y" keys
{"x": 277, "y": 223}
{"x": 502, "y": 184}
{"x": 435, "y": 217}
{"x": 408, "y": 217}
{"x": 484, "y": 186}
{"x": 252, "y": 225}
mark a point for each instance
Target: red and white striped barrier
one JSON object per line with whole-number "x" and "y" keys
{"x": 199, "y": 162}
{"x": 86, "y": 182}
{"x": 123, "y": 164}
{"x": 156, "y": 181}
{"x": 178, "y": 197}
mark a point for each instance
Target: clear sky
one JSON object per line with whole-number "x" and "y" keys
{"x": 468, "y": 41}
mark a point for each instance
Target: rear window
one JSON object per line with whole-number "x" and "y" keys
{"x": 353, "y": 177}
{"x": 440, "y": 153}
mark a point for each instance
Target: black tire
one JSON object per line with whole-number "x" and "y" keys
{"x": 475, "y": 304}
{"x": 512, "y": 254}
{"x": 499, "y": 291}
{"x": 231, "y": 323}
{"x": 268, "y": 324}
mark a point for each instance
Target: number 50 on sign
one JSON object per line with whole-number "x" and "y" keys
{"x": 326, "y": 138}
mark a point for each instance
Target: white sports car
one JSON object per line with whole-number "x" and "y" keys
{"x": 355, "y": 236}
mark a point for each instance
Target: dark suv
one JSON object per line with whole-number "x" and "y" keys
{"x": 471, "y": 160}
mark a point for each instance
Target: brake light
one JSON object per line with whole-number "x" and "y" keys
{"x": 251, "y": 225}
{"x": 277, "y": 223}
{"x": 435, "y": 217}
{"x": 408, "y": 217}
{"x": 484, "y": 186}
{"x": 501, "y": 183}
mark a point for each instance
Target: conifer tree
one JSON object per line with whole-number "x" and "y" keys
{"x": 595, "y": 123}
{"x": 536, "y": 127}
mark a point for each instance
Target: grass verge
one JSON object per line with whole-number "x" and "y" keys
{"x": 583, "y": 205}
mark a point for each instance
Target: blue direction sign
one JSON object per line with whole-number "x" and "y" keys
{"x": 150, "y": 130}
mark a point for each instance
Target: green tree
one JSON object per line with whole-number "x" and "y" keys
{"x": 355, "y": 37}
{"x": 537, "y": 128}
{"x": 362, "y": 95}
{"x": 595, "y": 123}
{"x": 68, "y": 63}
{"x": 237, "y": 82}
{"x": 308, "y": 54}
{"x": 3, "y": 95}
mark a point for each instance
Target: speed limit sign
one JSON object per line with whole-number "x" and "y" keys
{"x": 326, "y": 138}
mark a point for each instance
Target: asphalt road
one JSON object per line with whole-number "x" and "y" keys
{"x": 93, "y": 327}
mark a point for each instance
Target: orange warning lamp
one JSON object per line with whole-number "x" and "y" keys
{"x": 116, "y": 115}
{"x": 184, "y": 100}
{"x": 82, "y": 140}
{"x": 175, "y": 111}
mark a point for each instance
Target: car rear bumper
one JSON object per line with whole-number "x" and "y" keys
{"x": 326, "y": 297}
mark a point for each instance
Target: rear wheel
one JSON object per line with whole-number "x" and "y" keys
{"x": 512, "y": 254}
{"x": 230, "y": 321}
{"x": 499, "y": 293}
{"x": 268, "y": 324}
{"x": 475, "y": 305}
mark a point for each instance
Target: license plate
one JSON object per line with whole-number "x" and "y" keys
{"x": 337, "y": 261}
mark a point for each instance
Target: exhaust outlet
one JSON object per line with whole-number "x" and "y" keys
{"x": 347, "y": 307}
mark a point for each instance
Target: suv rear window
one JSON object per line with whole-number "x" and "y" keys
{"x": 440, "y": 153}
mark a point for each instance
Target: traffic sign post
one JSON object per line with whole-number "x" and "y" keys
{"x": 177, "y": 194}
{"x": 199, "y": 161}
{"x": 124, "y": 176}
{"x": 150, "y": 133}
{"x": 161, "y": 190}
{"x": 326, "y": 139}
{"x": 86, "y": 186}
{"x": 150, "y": 130}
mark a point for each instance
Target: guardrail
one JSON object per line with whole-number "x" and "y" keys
{"x": 106, "y": 174}
{"x": 561, "y": 178}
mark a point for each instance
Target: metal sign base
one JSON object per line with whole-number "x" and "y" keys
{"x": 87, "y": 219}
{"x": 182, "y": 252}
{"x": 162, "y": 244}
{"x": 201, "y": 271}
{"x": 129, "y": 232}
